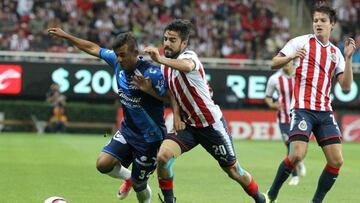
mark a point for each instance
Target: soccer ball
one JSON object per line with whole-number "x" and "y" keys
{"x": 55, "y": 200}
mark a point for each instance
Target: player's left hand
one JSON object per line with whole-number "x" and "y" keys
{"x": 143, "y": 83}
{"x": 153, "y": 53}
{"x": 350, "y": 47}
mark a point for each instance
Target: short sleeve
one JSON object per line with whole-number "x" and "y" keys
{"x": 294, "y": 44}
{"x": 192, "y": 56}
{"x": 108, "y": 56}
{"x": 340, "y": 65}
{"x": 157, "y": 80}
{"x": 271, "y": 86}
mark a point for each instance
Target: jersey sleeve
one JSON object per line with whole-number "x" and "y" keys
{"x": 157, "y": 80}
{"x": 108, "y": 56}
{"x": 270, "y": 87}
{"x": 192, "y": 56}
{"x": 340, "y": 65}
{"x": 293, "y": 45}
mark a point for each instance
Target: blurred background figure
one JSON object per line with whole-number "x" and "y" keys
{"x": 57, "y": 101}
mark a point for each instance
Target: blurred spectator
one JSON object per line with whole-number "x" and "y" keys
{"x": 223, "y": 28}
{"x": 54, "y": 97}
{"x": 57, "y": 101}
{"x": 57, "y": 122}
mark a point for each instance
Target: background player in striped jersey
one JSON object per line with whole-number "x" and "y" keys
{"x": 205, "y": 125}
{"x": 143, "y": 127}
{"x": 282, "y": 82}
{"x": 318, "y": 60}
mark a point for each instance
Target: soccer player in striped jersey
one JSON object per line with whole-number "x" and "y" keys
{"x": 282, "y": 82}
{"x": 318, "y": 61}
{"x": 204, "y": 123}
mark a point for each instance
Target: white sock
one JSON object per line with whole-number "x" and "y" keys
{"x": 120, "y": 172}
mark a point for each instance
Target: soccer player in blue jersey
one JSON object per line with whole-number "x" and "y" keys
{"x": 143, "y": 127}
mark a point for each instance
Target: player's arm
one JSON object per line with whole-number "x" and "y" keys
{"x": 271, "y": 104}
{"x": 178, "y": 123}
{"x": 144, "y": 84}
{"x": 184, "y": 65}
{"x": 281, "y": 60}
{"x": 346, "y": 78}
{"x": 84, "y": 45}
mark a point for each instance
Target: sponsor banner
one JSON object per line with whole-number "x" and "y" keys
{"x": 262, "y": 125}
{"x": 10, "y": 79}
{"x": 233, "y": 89}
{"x": 252, "y": 125}
{"x": 350, "y": 127}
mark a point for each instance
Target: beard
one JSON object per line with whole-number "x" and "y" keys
{"x": 169, "y": 53}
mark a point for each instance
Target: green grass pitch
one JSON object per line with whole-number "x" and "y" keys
{"x": 34, "y": 167}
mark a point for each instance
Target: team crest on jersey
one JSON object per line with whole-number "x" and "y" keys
{"x": 302, "y": 125}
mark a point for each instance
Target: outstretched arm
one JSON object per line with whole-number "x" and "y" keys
{"x": 84, "y": 45}
{"x": 345, "y": 79}
{"x": 184, "y": 65}
{"x": 280, "y": 60}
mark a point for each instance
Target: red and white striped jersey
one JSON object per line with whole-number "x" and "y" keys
{"x": 192, "y": 93}
{"x": 313, "y": 73}
{"x": 282, "y": 84}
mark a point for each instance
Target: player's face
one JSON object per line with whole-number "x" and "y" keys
{"x": 173, "y": 45}
{"x": 322, "y": 25}
{"x": 126, "y": 58}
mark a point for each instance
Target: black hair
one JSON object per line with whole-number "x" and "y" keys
{"x": 125, "y": 38}
{"x": 324, "y": 8}
{"x": 183, "y": 27}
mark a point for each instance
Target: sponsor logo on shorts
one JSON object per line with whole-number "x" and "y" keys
{"x": 119, "y": 137}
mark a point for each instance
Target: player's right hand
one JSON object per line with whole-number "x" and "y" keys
{"x": 300, "y": 53}
{"x": 153, "y": 53}
{"x": 58, "y": 32}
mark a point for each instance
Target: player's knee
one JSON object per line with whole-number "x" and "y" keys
{"x": 234, "y": 172}
{"x": 103, "y": 166}
{"x": 337, "y": 163}
{"x": 164, "y": 156}
{"x": 139, "y": 185}
{"x": 296, "y": 158}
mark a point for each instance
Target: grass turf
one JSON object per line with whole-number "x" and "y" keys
{"x": 34, "y": 167}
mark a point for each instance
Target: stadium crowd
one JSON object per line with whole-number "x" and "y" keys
{"x": 225, "y": 28}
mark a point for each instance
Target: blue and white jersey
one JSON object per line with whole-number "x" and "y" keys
{"x": 143, "y": 114}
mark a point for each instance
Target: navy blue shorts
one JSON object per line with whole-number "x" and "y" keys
{"x": 285, "y": 129}
{"x": 321, "y": 123}
{"x": 215, "y": 138}
{"x": 142, "y": 156}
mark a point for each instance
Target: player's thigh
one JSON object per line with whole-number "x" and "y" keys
{"x": 285, "y": 129}
{"x": 217, "y": 140}
{"x": 119, "y": 148}
{"x": 327, "y": 131}
{"x": 169, "y": 149}
{"x": 144, "y": 161}
{"x": 183, "y": 139}
{"x": 333, "y": 154}
{"x": 301, "y": 125}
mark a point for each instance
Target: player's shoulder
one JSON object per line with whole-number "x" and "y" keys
{"x": 335, "y": 47}
{"x": 275, "y": 76}
{"x": 188, "y": 53}
{"x": 302, "y": 38}
{"x": 106, "y": 51}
